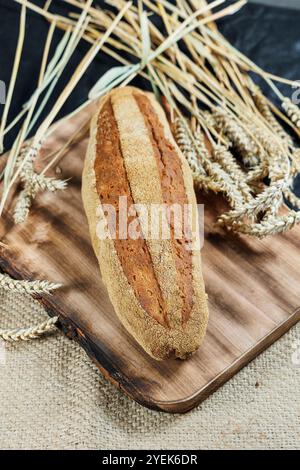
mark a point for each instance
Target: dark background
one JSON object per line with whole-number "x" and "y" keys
{"x": 269, "y": 36}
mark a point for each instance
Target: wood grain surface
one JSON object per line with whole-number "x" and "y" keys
{"x": 253, "y": 289}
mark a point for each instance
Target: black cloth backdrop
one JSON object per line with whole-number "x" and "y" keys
{"x": 269, "y": 36}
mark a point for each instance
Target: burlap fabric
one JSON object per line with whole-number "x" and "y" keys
{"x": 52, "y": 397}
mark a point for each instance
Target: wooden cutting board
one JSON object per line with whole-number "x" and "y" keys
{"x": 253, "y": 289}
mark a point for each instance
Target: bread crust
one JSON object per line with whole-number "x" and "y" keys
{"x": 179, "y": 340}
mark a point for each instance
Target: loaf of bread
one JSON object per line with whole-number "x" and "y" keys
{"x": 155, "y": 283}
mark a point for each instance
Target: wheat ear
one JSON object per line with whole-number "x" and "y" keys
{"x": 37, "y": 181}
{"x": 32, "y": 181}
{"x": 292, "y": 198}
{"x": 23, "y": 204}
{"x": 185, "y": 144}
{"x": 27, "y": 287}
{"x": 242, "y": 143}
{"x": 32, "y": 332}
{"x": 225, "y": 158}
{"x": 268, "y": 226}
{"x": 255, "y": 207}
{"x": 265, "y": 110}
{"x": 193, "y": 145}
{"x": 292, "y": 111}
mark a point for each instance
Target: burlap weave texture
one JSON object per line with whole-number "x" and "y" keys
{"x": 52, "y": 396}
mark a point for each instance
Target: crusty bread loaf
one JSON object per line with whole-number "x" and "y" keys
{"x": 155, "y": 284}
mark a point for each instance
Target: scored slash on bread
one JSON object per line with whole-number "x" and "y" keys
{"x": 155, "y": 285}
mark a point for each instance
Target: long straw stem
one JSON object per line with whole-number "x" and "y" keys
{"x": 14, "y": 73}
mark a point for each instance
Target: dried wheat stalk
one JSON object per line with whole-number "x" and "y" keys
{"x": 292, "y": 111}
{"x": 264, "y": 108}
{"x": 239, "y": 139}
{"x": 240, "y": 121}
{"x": 203, "y": 168}
{"x": 29, "y": 333}
{"x": 225, "y": 158}
{"x": 23, "y": 204}
{"x": 28, "y": 287}
{"x": 48, "y": 78}
{"x": 33, "y": 182}
{"x": 292, "y": 198}
{"x": 269, "y": 226}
